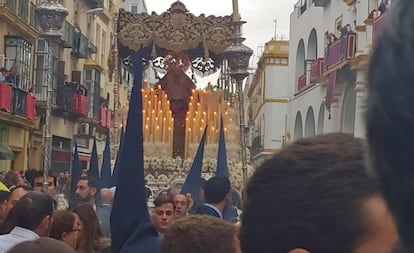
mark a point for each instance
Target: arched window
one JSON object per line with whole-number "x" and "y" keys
{"x": 310, "y": 123}
{"x": 298, "y": 131}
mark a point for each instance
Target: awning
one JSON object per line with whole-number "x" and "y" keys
{"x": 6, "y": 153}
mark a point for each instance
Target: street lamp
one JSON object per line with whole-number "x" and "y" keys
{"x": 50, "y": 14}
{"x": 238, "y": 57}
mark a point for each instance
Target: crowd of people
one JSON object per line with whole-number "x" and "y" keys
{"x": 331, "y": 193}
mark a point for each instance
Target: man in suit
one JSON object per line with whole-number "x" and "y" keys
{"x": 216, "y": 195}
{"x": 103, "y": 211}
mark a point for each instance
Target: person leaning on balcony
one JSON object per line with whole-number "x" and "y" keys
{"x": 343, "y": 30}
{"x": 76, "y": 37}
{"x": 4, "y": 75}
{"x": 384, "y": 5}
{"x": 330, "y": 38}
{"x": 82, "y": 90}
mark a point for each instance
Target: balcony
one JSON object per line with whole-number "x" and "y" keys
{"x": 257, "y": 145}
{"x": 340, "y": 52}
{"x": 377, "y": 27}
{"x": 82, "y": 47}
{"x": 317, "y": 67}
{"x": 302, "y": 82}
{"x": 20, "y": 15}
{"x": 18, "y": 102}
{"x": 69, "y": 101}
{"x": 321, "y": 3}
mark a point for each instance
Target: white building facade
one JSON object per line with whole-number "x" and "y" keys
{"x": 135, "y": 6}
{"x": 267, "y": 102}
{"x": 325, "y": 83}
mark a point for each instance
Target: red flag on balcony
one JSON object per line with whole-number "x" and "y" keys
{"x": 6, "y": 96}
{"x": 30, "y": 106}
{"x": 102, "y": 116}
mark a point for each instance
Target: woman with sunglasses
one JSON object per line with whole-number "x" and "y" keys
{"x": 65, "y": 227}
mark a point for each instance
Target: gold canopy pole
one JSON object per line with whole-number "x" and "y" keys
{"x": 236, "y": 13}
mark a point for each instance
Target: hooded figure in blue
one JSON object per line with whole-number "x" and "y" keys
{"x": 131, "y": 228}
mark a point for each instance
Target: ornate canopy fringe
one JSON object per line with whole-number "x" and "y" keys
{"x": 174, "y": 30}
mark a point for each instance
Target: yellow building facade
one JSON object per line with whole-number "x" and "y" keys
{"x": 83, "y": 97}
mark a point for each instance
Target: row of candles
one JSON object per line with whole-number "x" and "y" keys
{"x": 205, "y": 108}
{"x": 158, "y": 121}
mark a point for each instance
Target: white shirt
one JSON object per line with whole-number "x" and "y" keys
{"x": 16, "y": 236}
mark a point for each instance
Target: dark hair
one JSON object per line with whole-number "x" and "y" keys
{"x": 93, "y": 234}
{"x": 63, "y": 221}
{"x": 30, "y": 174}
{"x": 216, "y": 189}
{"x": 40, "y": 173}
{"x": 164, "y": 199}
{"x": 92, "y": 181}
{"x": 309, "y": 196}
{"x": 390, "y": 115}
{"x": 199, "y": 234}
{"x": 32, "y": 208}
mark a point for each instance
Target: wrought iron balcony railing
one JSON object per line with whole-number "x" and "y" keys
{"x": 19, "y": 102}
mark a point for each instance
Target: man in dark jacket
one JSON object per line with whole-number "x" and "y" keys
{"x": 216, "y": 194}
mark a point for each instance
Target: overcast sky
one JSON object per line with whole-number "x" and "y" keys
{"x": 259, "y": 15}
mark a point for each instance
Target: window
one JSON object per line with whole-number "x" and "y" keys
{"x": 42, "y": 68}
{"x": 19, "y": 53}
{"x": 134, "y": 8}
{"x": 98, "y": 42}
{"x": 93, "y": 82}
{"x": 33, "y": 21}
{"x": 103, "y": 49}
{"x": 23, "y": 12}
